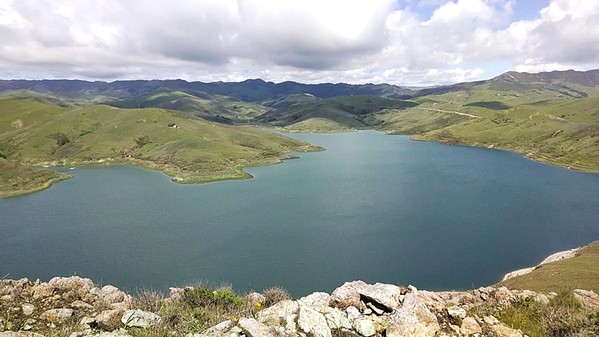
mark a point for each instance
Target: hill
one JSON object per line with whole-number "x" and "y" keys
{"x": 546, "y": 117}
{"x": 37, "y": 132}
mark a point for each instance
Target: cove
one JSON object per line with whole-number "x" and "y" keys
{"x": 373, "y": 207}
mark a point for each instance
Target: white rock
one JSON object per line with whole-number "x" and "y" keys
{"x": 28, "y": 309}
{"x": 253, "y": 328}
{"x": 284, "y": 311}
{"x": 318, "y": 301}
{"x": 412, "y": 319}
{"x": 456, "y": 312}
{"x": 19, "y": 334}
{"x": 312, "y": 322}
{"x": 470, "y": 326}
{"x": 140, "y": 319}
{"x": 337, "y": 319}
{"x": 352, "y": 313}
{"x": 348, "y": 294}
{"x": 364, "y": 326}
{"x": 588, "y": 298}
{"x": 109, "y": 319}
{"x": 384, "y": 296}
{"x": 57, "y": 315}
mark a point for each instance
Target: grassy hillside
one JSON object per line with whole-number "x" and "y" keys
{"x": 545, "y": 125}
{"x": 318, "y": 125}
{"x": 579, "y": 272}
{"x": 37, "y": 132}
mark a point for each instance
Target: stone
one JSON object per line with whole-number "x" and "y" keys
{"x": 282, "y": 314}
{"x": 216, "y": 331}
{"x": 470, "y": 326}
{"x": 490, "y": 320}
{"x": 347, "y": 295}
{"x": 255, "y": 298}
{"x": 502, "y": 330}
{"x": 364, "y": 327}
{"x": 413, "y": 318}
{"x": 253, "y": 328}
{"x": 109, "y": 319}
{"x": 57, "y": 315}
{"x": 176, "y": 294}
{"x": 587, "y": 298}
{"x": 456, "y": 312}
{"x": 386, "y": 297}
{"x": 337, "y": 319}
{"x": 140, "y": 319}
{"x": 73, "y": 283}
{"x": 318, "y": 301}
{"x": 42, "y": 290}
{"x": 19, "y": 334}
{"x": 82, "y": 305}
{"x": 312, "y": 322}
{"x": 27, "y": 309}
{"x": 112, "y": 294}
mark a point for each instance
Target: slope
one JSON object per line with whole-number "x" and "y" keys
{"x": 34, "y": 132}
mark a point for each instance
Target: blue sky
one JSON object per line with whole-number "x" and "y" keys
{"x": 404, "y": 42}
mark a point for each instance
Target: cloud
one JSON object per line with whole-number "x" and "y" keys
{"x": 303, "y": 40}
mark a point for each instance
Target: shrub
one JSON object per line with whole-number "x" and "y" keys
{"x": 275, "y": 295}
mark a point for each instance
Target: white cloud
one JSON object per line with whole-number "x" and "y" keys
{"x": 302, "y": 40}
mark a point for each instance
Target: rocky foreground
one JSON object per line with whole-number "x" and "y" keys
{"x": 76, "y": 307}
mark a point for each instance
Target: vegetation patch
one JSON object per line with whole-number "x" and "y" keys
{"x": 493, "y": 105}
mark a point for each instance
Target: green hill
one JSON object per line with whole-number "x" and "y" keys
{"x": 545, "y": 125}
{"x": 35, "y": 132}
{"x": 318, "y": 125}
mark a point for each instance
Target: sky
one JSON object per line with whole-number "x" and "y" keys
{"x": 401, "y": 42}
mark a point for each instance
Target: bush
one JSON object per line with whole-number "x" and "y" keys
{"x": 275, "y": 295}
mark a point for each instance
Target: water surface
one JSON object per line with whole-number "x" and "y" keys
{"x": 372, "y": 207}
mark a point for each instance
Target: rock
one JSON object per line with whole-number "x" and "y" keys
{"x": 87, "y": 322}
{"x": 502, "y": 330}
{"x": 364, "y": 327}
{"x": 352, "y": 313}
{"x": 517, "y": 273}
{"x": 336, "y": 319}
{"x": 386, "y": 297}
{"x": 19, "y": 334}
{"x": 253, "y": 328}
{"x": 27, "y": 309}
{"x": 456, "y": 312}
{"x": 42, "y": 290}
{"x": 470, "y": 326}
{"x": 140, "y": 319}
{"x": 82, "y": 305}
{"x": 283, "y": 314}
{"x": 73, "y": 283}
{"x": 412, "y": 319}
{"x": 588, "y": 298}
{"x": 226, "y": 328}
{"x": 347, "y": 295}
{"x": 112, "y": 294}
{"x": 490, "y": 320}
{"x": 57, "y": 315}
{"x": 318, "y": 301}
{"x": 255, "y": 298}
{"x": 312, "y": 322}
{"x": 116, "y": 333}
{"x": 176, "y": 294}
{"x": 109, "y": 319}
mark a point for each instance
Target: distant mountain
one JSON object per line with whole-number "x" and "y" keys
{"x": 248, "y": 90}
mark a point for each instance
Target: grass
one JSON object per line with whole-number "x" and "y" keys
{"x": 563, "y": 316}
{"x": 16, "y": 179}
{"x": 579, "y": 272}
{"x": 319, "y": 125}
{"x": 34, "y": 132}
{"x": 543, "y": 125}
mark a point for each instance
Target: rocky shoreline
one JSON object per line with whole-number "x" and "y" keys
{"x": 76, "y": 307}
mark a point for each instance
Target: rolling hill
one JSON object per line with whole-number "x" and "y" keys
{"x": 37, "y": 132}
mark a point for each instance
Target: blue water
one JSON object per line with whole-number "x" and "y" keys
{"x": 372, "y": 207}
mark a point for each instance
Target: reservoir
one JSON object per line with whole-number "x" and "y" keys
{"x": 372, "y": 207}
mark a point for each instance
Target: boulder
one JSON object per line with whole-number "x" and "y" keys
{"x": 588, "y": 298}
{"x": 19, "y": 334}
{"x": 456, "y": 312}
{"x": 282, "y": 314}
{"x": 57, "y": 315}
{"x": 108, "y": 319}
{"x": 140, "y": 319}
{"x": 336, "y": 319}
{"x": 253, "y": 328}
{"x": 413, "y": 318}
{"x": 255, "y": 298}
{"x": 226, "y": 328}
{"x": 470, "y": 326}
{"x": 27, "y": 309}
{"x": 502, "y": 330}
{"x": 42, "y": 290}
{"x": 364, "y": 326}
{"x": 347, "y": 295}
{"x": 73, "y": 283}
{"x": 318, "y": 301}
{"x": 312, "y": 322}
{"x": 386, "y": 297}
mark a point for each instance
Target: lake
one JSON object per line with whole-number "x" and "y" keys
{"x": 372, "y": 207}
